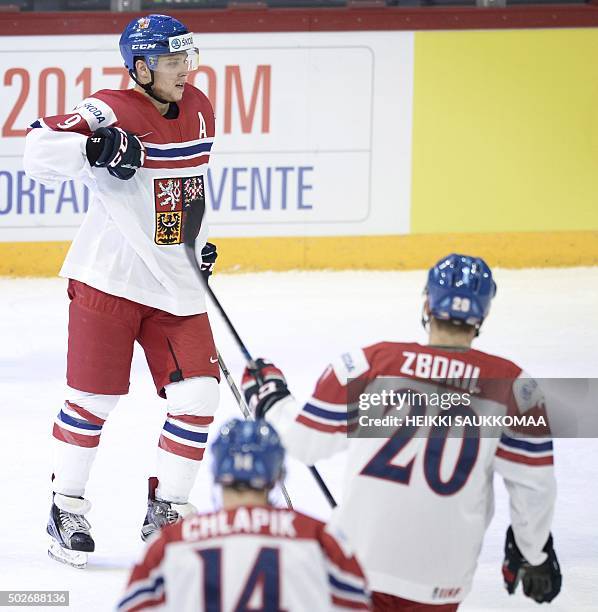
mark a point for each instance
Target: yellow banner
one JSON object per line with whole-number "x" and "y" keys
{"x": 505, "y": 131}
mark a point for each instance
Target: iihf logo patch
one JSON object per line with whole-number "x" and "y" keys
{"x": 173, "y": 197}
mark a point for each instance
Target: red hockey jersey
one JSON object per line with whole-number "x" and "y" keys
{"x": 130, "y": 242}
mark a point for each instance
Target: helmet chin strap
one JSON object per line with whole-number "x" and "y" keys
{"x": 147, "y": 87}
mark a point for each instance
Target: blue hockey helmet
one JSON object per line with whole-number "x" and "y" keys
{"x": 155, "y": 35}
{"x": 460, "y": 289}
{"x": 248, "y": 453}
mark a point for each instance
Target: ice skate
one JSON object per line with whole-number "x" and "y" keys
{"x": 70, "y": 540}
{"x": 161, "y": 512}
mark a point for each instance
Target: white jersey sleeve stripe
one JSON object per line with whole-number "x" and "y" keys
{"x": 321, "y": 424}
{"x": 524, "y": 453}
{"x": 318, "y": 403}
{"x": 533, "y": 445}
{"x": 525, "y": 450}
{"x": 351, "y": 581}
{"x": 326, "y": 415}
{"x": 357, "y": 597}
{"x": 179, "y": 145}
{"x": 145, "y": 592}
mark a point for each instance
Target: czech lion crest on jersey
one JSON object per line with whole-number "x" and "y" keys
{"x": 173, "y": 197}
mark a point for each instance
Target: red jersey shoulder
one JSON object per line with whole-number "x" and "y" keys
{"x": 193, "y": 95}
{"x": 116, "y": 97}
{"x": 196, "y": 114}
{"x": 121, "y": 107}
{"x": 386, "y": 358}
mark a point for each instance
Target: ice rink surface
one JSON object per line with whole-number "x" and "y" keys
{"x": 546, "y": 320}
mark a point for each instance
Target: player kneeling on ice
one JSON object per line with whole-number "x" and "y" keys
{"x": 418, "y": 494}
{"x": 143, "y": 153}
{"x": 249, "y": 555}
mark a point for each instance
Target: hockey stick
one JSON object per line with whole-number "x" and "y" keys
{"x": 192, "y": 226}
{"x": 247, "y": 414}
{"x": 251, "y": 365}
{"x": 233, "y": 387}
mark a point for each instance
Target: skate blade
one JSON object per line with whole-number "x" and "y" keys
{"x": 74, "y": 558}
{"x": 148, "y": 532}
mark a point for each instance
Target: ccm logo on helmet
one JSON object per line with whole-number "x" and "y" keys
{"x": 144, "y": 46}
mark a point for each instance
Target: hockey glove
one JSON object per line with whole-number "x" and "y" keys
{"x": 540, "y": 582}
{"x": 119, "y": 151}
{"x": 208, "y": 259}
{"x": 263, "y": 386}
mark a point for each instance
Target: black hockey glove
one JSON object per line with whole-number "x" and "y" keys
{"x": 208, "y": 259}
{"x": 119, "y": 151}
{"x": 540, "y": 582}
{"x": 263, "y": 387}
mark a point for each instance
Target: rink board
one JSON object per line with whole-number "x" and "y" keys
{"x": 403, "y": 145}
{"x": 406, "y": 252}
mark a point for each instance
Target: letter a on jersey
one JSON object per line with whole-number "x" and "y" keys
{"x": 203, "y": 132}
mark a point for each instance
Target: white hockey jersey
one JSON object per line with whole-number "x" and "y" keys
{"x": 417, "y": 502}
{"x": 130, "y": 241}
{"x": 248, "y": 558}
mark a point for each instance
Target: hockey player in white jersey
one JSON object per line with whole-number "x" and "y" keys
{"x": 416, "y": 502}
{"x": 249, "y": 555}
{"x": 143, "y": 154}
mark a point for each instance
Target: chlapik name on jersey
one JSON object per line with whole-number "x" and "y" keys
{"x": 251, "y": 557}
{"x": 414, "y": 487}
{"x": 130, "y": 243}
{"x": 265, "y": 521}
